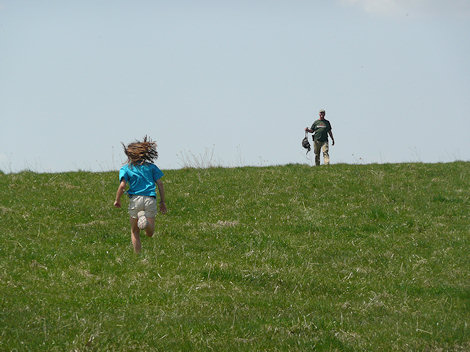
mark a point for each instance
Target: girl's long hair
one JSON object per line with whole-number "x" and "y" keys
{"x": 141, "y": 152}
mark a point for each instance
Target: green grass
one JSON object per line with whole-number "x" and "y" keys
{"x": 339, "y": 258}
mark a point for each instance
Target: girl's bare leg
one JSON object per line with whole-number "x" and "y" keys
{"x": 135, "y": 235}
{"x": 150, "y": 229}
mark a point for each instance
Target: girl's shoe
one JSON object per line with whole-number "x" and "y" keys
{"x": 142, "y": 222}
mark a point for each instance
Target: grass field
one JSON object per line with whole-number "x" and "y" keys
{"x": 286, "y": 258}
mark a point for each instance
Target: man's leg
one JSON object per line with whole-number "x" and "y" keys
{"x": 316, "y": 150}
{"x": 135, "y": 235}
{"x": 325, "y": 149}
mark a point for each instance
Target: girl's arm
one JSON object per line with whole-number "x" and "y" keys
{"x": 161, "y": 190}
{"x": 119, "y": 193}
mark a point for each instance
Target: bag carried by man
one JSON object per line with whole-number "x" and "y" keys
{"x": 306, "y": 143}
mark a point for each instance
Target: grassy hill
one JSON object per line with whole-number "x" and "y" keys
{"x": 346, "y": 258}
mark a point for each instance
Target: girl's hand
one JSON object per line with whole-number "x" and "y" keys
{"x": 117, "y": 204}
{"x": 162, "y": 208}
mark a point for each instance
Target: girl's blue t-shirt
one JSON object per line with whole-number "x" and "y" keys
{"x": 141, "y": 178}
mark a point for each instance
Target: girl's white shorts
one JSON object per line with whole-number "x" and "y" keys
{"x": 142, "y": 203}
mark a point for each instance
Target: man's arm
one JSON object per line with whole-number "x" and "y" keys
{"x": 161, "y": 190}
{"x": 332, "y": 138}
{"x": 308, "y": 130}
{"x": 119, "y": 193}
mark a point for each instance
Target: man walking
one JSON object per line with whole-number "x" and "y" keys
{"x": 321, "y": 128}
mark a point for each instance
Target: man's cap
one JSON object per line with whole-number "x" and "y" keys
{"x": 322, "y": 110}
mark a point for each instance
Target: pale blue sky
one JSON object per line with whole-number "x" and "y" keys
{"x": 232, "y": 82}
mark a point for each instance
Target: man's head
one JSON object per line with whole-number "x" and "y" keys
{"x": 322, "y": 113}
